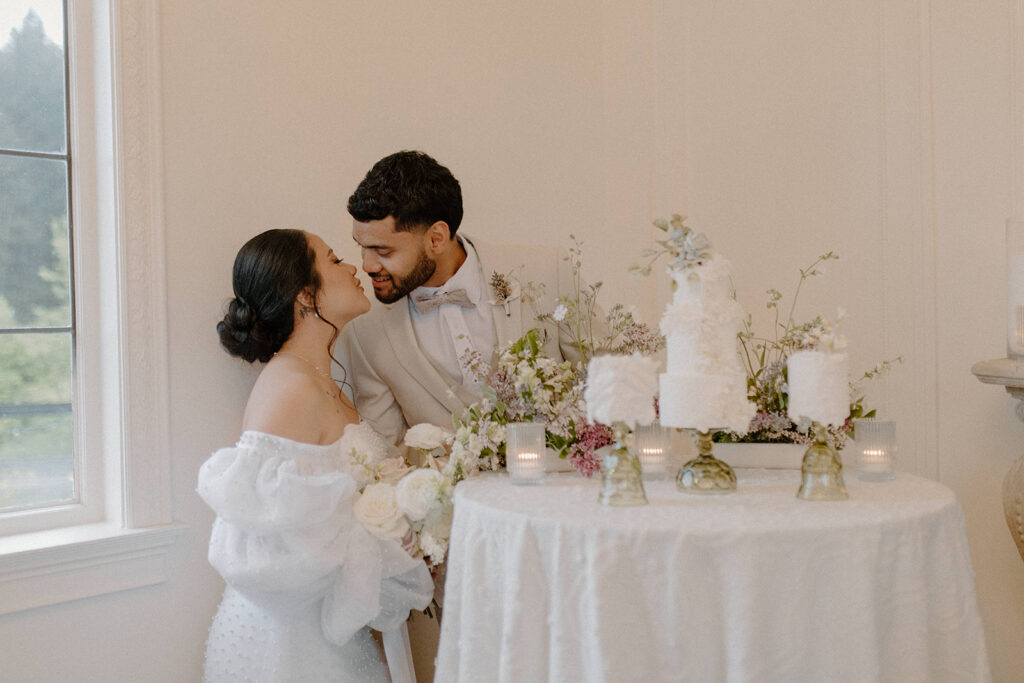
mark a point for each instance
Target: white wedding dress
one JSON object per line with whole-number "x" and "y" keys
{"x": 304, "y": 578}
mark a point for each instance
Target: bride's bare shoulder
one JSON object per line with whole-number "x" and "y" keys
{"x": 284, "y": 402}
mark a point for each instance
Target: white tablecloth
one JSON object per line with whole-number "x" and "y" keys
{"x": 546, "y": 584}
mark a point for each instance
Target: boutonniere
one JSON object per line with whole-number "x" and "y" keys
{"x": 504, "y": 289}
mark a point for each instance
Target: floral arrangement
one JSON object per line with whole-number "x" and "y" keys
{"x": 765, "y": 360}
{"x": 412, "y": 505}
{"x": 576, "y": 315}
{"x": 527, "y": 385}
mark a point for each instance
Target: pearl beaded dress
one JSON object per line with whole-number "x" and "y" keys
{"x": 305, "y": 580}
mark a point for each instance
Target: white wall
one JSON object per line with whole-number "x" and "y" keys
{"x": 883, "y": 130}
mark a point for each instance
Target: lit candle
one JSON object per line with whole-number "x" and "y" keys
{"x": 524, "y": 448}
{"x": 875, "y": 444}
{"x": 874, "y": 459}
{"x": 650, "y": 441}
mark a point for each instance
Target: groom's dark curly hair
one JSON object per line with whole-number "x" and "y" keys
{"x": 412, "y": 187}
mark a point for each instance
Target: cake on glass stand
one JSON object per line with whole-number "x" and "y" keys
{"x": 620, "y": 392}
{"x": 704, "y": 386}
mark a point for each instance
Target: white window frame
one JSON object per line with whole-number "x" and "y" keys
{"x": 117, "y": 535}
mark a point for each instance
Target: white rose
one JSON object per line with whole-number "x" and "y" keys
{"x": 378, "y": 511}
{"x": 426, "y": 436}
{"x": 392, "y": 470}
{"x": 420, "y": 492}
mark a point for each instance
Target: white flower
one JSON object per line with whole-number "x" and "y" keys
{"x": 433, "y": 548}
{"x": 377, "y": 510}
{"x": 420, "y": 492}
{"x": 560, "y": 312}
{"x": 426, "y": 436}
{"x": 391, "y": 470}
{"x": 495, "y": 432}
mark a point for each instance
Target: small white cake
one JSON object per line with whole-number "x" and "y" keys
{"x": 704, "y": 386}
{"x": 819, "y": 388}
{"x": 621, "y": 389}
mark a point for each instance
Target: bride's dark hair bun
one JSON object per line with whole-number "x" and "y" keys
{"x": 270, "y": 272}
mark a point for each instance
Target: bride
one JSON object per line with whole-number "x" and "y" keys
{"x": 305, "y": 581}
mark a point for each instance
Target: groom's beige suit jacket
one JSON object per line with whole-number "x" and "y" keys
{"x": 396, "y": 385}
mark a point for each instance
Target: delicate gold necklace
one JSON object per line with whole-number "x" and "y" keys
{"x": 307, "y": 362}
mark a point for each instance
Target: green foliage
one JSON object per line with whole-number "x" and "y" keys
{"x": 36, "y": 450}
{"x": 33, "y": 192}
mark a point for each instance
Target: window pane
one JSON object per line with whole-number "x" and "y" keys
{"x": 37, "y": 465}
{"x": 34, "y": 270}
{"x": 32, "y": 76}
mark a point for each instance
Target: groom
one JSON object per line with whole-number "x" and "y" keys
{"x": 447, "y": 299}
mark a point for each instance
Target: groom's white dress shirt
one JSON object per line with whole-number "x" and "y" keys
{"x": 449, "y": 331}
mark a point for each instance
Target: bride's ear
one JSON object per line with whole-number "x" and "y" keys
{"x": 305, "y": 303}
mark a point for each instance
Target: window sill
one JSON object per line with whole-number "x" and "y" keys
{"x": 51, "y": 567}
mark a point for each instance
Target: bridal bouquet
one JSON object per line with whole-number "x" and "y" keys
{"x": 527, "y": 385}
{"x": 412, "y": 505}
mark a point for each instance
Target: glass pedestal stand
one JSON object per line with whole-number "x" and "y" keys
{"x": 621, "y": 476}
{"x": 706, "y": 473}
{"x": 821, "y": 475}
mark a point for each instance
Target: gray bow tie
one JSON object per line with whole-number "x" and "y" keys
{"x": 428, "y": 302}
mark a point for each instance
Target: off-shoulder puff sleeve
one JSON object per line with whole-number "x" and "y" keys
{"x": 285, "y": 534}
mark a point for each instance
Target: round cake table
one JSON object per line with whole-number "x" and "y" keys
{"x": 545, "y": 584}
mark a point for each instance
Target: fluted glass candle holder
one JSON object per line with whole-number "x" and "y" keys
{"x": 651, "y": 443}
{"x": 875, "y": 448}
{"x": 524, "y": 452}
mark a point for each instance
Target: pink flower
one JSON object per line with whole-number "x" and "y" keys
{"x": 583, "y": 454}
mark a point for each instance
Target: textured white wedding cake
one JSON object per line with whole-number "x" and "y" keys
{"x": 818, "y": 387}
{"x": 704, "y": 386}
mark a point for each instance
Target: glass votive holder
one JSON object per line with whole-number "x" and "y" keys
{"x": 651, "y": 445}
{"x": 524, "y": 452}
{"x": 875, "y": 449}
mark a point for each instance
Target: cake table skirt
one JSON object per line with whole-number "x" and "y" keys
{"x": 545, "y": 584}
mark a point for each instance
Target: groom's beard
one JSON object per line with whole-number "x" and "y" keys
{"x": 420, "y": 273}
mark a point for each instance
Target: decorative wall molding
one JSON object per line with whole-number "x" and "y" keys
{"x": 139, "y": 177}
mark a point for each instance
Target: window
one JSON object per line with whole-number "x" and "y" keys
{"x": 82, "y": 327}
{"x": 37, "y": 333}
